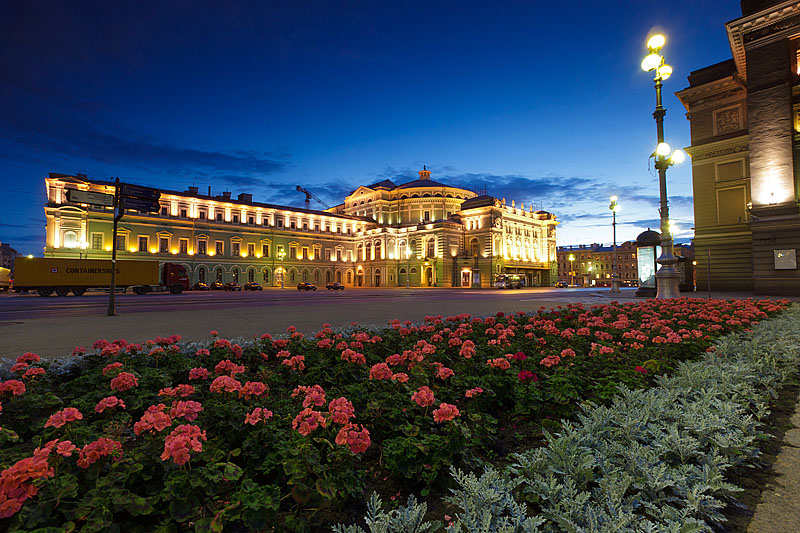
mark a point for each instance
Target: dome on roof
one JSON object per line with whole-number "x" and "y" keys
{"x": 649, "y": 238}
{"x": 423, "y": 183}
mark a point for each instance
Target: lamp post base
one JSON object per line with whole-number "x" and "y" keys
{"x": 615, "y": 286}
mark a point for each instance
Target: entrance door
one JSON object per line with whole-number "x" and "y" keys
{"x": 466, "y": 278}
{"x": 360, "y": 279}
{"x": 377, "y": 278}
{"x": 429, "y": 277}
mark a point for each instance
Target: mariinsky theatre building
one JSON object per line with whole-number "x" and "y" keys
{"x": 419, "y": 233}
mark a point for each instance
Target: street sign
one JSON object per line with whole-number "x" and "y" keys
{"x": 140, "y": 204}
{"x": 135, "y": 191}
{"x": 88, "y": 197}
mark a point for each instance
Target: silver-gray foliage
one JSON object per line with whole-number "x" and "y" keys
{"x": 408, "y": 519}
{"x": 653, "y": 461}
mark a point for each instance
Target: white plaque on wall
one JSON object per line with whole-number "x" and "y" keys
{"x": 785, "y": 259}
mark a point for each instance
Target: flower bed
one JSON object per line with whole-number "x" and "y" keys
{"x": 285, "y": 432}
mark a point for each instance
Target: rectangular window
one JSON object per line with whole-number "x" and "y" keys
{"x": 163, "y": 245}
{"x": 327, "y": 255}
{"x": 219, "y": 248}
{"x": 121, "y": 243}
{"x": 305, "y": 252}
{"x": 305, "y": 226}
{"x": 338, "y": 255}
{"x": 235, "y": 249}
{"x": 293, "y": 252}
{"x": 184, "y": 213}
{"x": 183, "y": 246}
{"x": 202, "y": 215}
{"x": 97, "y": 241}
{"x": 202, "y": 247}
{"x": 235, "y": 219}
{"x": 164, "y": 210}
{"x": 427, "y": 215}
{"x": 143, "y": 245}
{"x": 280, "y": 222}
{"x": 219, "y": 216}
{"x": 251, "y": 249}
{"x": 265, "y": 250}
{"x": 293, "y": 224}
{"x": 251, "y": 220}
{"x": 316, "y": 227}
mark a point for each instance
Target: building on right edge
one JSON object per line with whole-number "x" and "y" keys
{"x": 745, "y": 118}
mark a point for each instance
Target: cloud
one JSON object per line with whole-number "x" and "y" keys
{"x": 4, "y": 225}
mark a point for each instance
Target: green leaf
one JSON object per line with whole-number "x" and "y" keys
{"x": 139, "y": 506}
{"x": 231, "y": 471}
{"x": 236, "y": 452}
{"x": 183, "y": 509}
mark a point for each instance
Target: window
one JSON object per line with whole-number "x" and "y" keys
{"x": 183, "y": 246}
{"x": 305, "y": 226}
{"x": 431, "y": 247}
{"x": 251, "y": 250}
{"x": 219, "y": 216}
{"x": 427, "y": 215}
{"x": 202, "y": 215}
{"x": 235, "y": 219}
{"x": 293, "y": 253}
{"x": 265, "y": 250}
{"x": 378, "y": 250}
{"x": 338, "y": 255}
{"x": 184, "y": 212}
{"x": 280, "y": 222}
{"x": 316, "y": 227}
{"x": 201, "y": 274}
{"x": 305, "y": 252}
{"x": 219, "y": 274}
{"x": 251, "y": 275}
{"x": 291, "y": 276}
{"x": 235, "y": 274}
{"x": 202, "y": 247}
{"x": 251, "y": 220}
{"x": 327, "y": 255}
{"x": 70, "y": 239}
{"x": 316, "y": 276}
{"x": 143, "y": 243}
{"x": 97, "y": 241}
{"x": 266, "y": 276}
{"x": 219, "y": 247}
{"x": 293, "y": 224}
{"x": 164, "y": 210}
{"x": 121, "y": 243}
{"x": 349, "y": 278}
{"x": 235, "y": 249}
{"x": 163, "y": 245}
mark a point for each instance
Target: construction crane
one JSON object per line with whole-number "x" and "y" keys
{"x": 309, "y": 196}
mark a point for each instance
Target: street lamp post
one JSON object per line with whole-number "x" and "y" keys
{"x": 281, "y": 255}
{"x": 408, "y": 265}
{"x": 667, "y": 275}
{"x": 614, "y": 278}
{"x": 571, "y": 270}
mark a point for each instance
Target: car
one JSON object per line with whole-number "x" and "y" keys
{"x": 253, "y": 286}
{"x": 232, "y": 286}
{"x": 216, "y": 285}
{"x": 200, "y": 286}
{"x": 561, "y": 284}
{"x": 335, "y": 286}
{"x": 306, "y": 286}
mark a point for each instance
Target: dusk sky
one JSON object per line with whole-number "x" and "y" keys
{"x": 539, "y": 102}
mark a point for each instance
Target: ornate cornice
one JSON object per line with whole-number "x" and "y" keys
{"x": 766, "y": 26}
{"x": 713, "y": 94}
{"x": 719, "y": 149}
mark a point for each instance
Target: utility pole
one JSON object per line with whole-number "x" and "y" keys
{"x": 118, "y": 211}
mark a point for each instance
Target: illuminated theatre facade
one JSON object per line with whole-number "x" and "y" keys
{"x": 420, "y": 233}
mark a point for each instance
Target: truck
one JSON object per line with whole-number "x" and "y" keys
{"x": 5, "y": 279}
{"x": 62, "y": 276}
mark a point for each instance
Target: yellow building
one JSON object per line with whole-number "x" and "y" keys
{"x": 744, "y": 128}
{"x": 420, "y": 233}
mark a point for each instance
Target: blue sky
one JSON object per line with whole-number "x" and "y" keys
{"x": 534, "y": 102}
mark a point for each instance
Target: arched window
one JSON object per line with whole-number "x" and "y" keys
{"x": 349, "y": 277}
{"x": 360, "y": 252}
{"x": 402, "y": 270}
{"x": 328, "y": 276}
{"x": 339, "y": 277}
{"x": 219, "y": 274}
{"x": 201, "y": 274}
{"x": 235, "y": 274}
{"x": 251, "y": 275}
{"x": 316, "y": 276}
{"x": 369, "y": 251}
{"x": 291, "y": 276}
{"x": 431, "y": 252}
{"x": 413, "y": 270}
{"x": 70, "y": 239}
{"x": 378, "y": 250}
{"x": 266, "y": 275}
{"x": 305, "y": 275}
{"x": 413, "y": 246}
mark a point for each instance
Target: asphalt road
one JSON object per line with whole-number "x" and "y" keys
{"x": 53, "y": 326}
